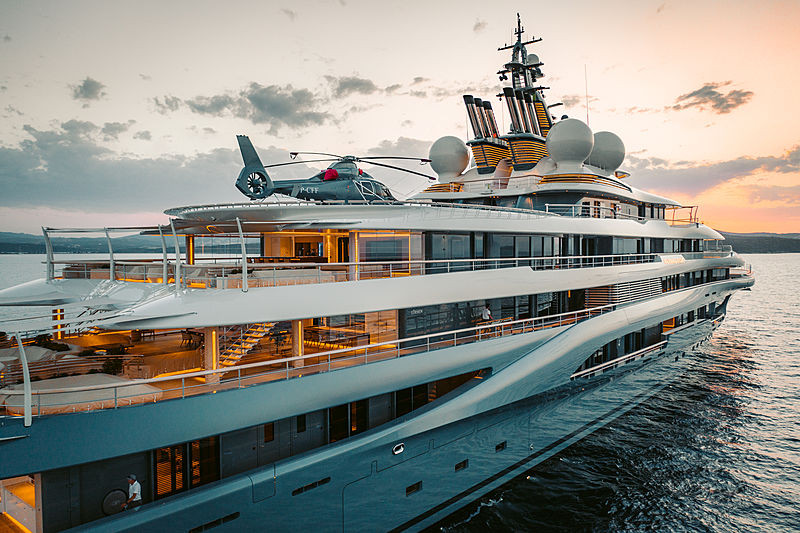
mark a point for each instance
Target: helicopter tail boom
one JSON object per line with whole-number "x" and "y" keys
{"x": 253, "y": 180}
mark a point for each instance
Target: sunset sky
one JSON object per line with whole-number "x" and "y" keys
{"x": 112, "y": 112}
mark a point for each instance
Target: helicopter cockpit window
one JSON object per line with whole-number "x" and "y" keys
{"x": 366, "y": 187}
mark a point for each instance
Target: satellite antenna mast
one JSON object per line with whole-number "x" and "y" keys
{"x": 586, "y": 88}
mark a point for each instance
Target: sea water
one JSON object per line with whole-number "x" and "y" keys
{"x": 717, "y": 450}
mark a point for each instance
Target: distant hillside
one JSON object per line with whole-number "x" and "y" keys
{"x": 763, "y": 243}
{"x": 24, "y": 243}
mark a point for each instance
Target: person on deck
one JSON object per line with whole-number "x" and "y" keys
{"x": 134, "y": 493}
{"x": 486, "y": 314}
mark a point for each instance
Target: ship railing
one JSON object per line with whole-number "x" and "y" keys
{"x": 708, "y": 254}
{"x": 591, "y": 211}
{"x": 139, "y": 391}
{"x": 216, "y": 274}
{"x": 614, "y": 363}
{"x": 682, "y": 215}
{"x": 487, "y": 210}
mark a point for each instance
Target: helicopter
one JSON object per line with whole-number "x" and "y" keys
{"x": 342, "y": 180}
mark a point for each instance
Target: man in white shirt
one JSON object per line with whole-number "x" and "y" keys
{"x": 134, "y": 493}
{"x": 486, "y": 314}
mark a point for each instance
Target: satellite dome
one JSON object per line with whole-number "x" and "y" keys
{"x": 608, "y": 152}
{"x": 531, "y": 59}
{"x": 449, "y": 157}
{"x": 570, "y": 141}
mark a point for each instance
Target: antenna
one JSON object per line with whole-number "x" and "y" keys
{"x": 586, "y": 87}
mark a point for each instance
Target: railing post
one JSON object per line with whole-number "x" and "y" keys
{"x": 165, "y": 259}
{"x": 26, "y": 385}
{"x": 111, "y": 273}
{"x": 244, "y": 255}
{"x": 177, "y": 257}
{"x": 115, "y": 397}
{"x": 48, "y": 247}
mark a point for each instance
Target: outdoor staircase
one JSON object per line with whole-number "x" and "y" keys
{"x": 241, "y": 342}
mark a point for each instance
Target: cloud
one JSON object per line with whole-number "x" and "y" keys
{"x": 145, "y": 77}
{"x": 292, "y": 15}
{"x": 347, "y": 85}
{"x": 66, "y": 168}
{"x": 709, "y": 96}
{"x": 392, "y": 88}
{"x": 694, "y": 178}
{"x": 419, "y": 79}
{"x": 6, "y": 38}
{"x": 401, "y": 183}
{"x": 280, "y": 106}
{"x": 143, "y": 135}
{"x": 276, "y": 106}
{"x": 166, "y": 104}
{"x": 112, "y": 130}
{"x": 402, "y": 146}
{"x": 88, "y": 89}
{"x": 210, "y": 105}
{"x": 571, "y": 100}
{"x": 661, "y": 7}
{"x": 786, "y": 195}
{"x": 75, "y": 129}
{"x": 479, "y": 26}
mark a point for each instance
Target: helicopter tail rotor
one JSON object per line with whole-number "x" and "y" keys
{"x": 253, "y": 180}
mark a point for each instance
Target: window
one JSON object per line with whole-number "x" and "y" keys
{"x": 301, "y": 423}
{"x": 205, "y": 461}
{"x": 359, "y": 413}
{"x": 269, "y": 432}
{"x": 169, "y": 467}
{"x": 403, "y": 402}
{"x": 416, "y": 487}
{"x": 462, "y": 465}
{"x": 525, "y": 202}
{"x": 339, "y": 423}
{"x": 502, "y": 446}
{"x": 314, "y": 485}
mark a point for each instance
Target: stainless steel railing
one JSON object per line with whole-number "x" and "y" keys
{"x": 220, "y": 275}
{"x": 114, "y": 395}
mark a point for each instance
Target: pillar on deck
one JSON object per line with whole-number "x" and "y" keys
{"x": 190, "y": 249}
{"x": 58, "y": 315}
{"x": 211, "y": 353}
{"x": 297, "y": 342}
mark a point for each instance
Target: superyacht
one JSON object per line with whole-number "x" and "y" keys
{"x": 353, "y": 362}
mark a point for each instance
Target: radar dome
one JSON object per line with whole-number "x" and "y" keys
{"x": 531, "y": 59}
{"x": 449, "y": 157}
{"x": 608, "y": 152}
{"x": 569, "y": 143}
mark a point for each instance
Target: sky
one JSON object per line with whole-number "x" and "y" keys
{"x": 111, "y": 112}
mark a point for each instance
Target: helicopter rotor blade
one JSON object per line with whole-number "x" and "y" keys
{"x": 295, "y": 154}
{"x": 422, "y": 160}
{"x": 298, "y": 162}
{"x": 401, "y": 168}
